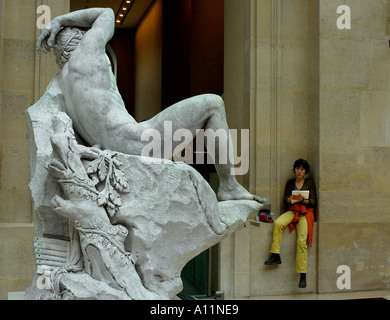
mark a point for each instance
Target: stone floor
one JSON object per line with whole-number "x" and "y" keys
{"x": 363, "y": 295}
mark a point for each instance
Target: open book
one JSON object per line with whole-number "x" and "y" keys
{"x": 303, "y": 193}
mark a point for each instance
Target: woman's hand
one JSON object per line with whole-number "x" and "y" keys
{"x": 298, "y": 198}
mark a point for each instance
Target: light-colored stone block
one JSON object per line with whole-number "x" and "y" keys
{"x": 16, "y": 258}
{"x": 293, "y": 18}
{"x": 293, "y": 65}
{"x": 18, "y": 82}
{"x": 16, "y": 206}
{"x": 363, "y": 247}
{"x": 16, "y": 295}
{"x": 374, "y": 116}
{"x": 19, "y": 22}
{"x": 242, "y": 245}
{"x": 15, "y": 166}
{"x": 18, "y": 64}
{"x": 341, "y": 70}
{"x": 368, "y": 18}
{"x": 340, "y": 117}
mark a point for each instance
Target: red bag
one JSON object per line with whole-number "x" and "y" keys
{"x": 265, "y": 216}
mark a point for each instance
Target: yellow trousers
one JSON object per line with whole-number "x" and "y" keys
{"x": 302, "y": 229}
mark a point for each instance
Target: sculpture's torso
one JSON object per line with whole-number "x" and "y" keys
{"x": 93, "y": 101}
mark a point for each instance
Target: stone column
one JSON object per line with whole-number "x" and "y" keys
{"x": 355, "y": 146}
{"x": 314, "y": 91}
{"x": 24, "y": 77}
{"x": 271, "y": 87}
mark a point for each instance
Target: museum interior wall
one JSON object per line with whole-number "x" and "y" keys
{"x": 354, "y": 146}
{"x": 148, "y": 63}
{"x": 24, "y": 78}
{"x": 271, "y": 87}
{"x": 169, "y": 60}
{"x": 320, "y": 93}
{"x": 123, "y": 46}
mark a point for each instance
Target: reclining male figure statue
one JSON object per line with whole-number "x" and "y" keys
{"x": 94, "y": 104}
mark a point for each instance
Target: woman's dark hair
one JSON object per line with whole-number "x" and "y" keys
{"x": 302, "y": 163}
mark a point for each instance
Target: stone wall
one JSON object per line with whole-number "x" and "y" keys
{"x": 307, "y": 89}
{"x": 355, "y": 146}
{"x": 303, "y": 88}
{"x": 24, "y": 77}
{"x": 271, "y": 87}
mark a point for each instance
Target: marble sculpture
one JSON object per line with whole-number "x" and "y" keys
{"x": 111, "y": 223}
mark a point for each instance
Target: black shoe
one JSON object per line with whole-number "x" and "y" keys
{"x": 302, "y": 281}
{"x": 274, "y": 259}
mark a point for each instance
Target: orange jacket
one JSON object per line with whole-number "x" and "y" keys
{"x": 300, "y": 208}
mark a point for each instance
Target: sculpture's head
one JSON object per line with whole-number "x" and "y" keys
{"x": 67, "y": 41}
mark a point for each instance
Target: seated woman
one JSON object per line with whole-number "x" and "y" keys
{"x": 299, "y": 215}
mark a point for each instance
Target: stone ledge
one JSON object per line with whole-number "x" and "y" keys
{"x": 280, "y": 279}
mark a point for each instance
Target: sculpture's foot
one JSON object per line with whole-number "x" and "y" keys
{"x": 237, "y": 192}
{"x": 217, "y": 225}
